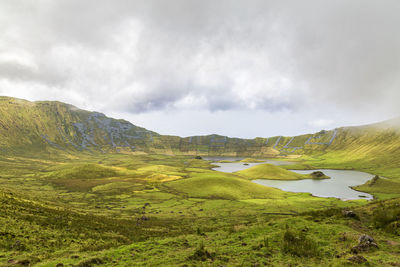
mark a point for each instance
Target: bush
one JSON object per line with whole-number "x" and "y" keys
{"x": 326, "y": 213}
{"x": 298, "y": 244}
{"x": 387, "y": 218}
{"x": 201, "y": 254}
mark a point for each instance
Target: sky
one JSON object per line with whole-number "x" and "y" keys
{"x": 242, "y": 68}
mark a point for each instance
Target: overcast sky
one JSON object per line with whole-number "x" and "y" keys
{"x": 242, "y": 68}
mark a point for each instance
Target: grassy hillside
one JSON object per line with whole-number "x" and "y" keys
{"x": 43, "y": 129}
{"x": 381, "y": 187}
{"x": 215, "y": 185}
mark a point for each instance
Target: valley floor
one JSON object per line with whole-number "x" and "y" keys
{"x": 157, "y": 210}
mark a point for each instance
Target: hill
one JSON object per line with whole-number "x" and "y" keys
{"x": 45, "y": 126}
{"x": 43, "y": 129}
{"x": 271, "y": 172}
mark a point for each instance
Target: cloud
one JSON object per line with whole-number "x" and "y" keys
{"x": 321, "y": 123}
{"x": 143, "y": 56}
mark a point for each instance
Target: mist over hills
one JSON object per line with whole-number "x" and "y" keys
{"x": 54, "y": 127}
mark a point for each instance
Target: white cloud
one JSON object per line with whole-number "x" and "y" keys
{"x": 321, "y": 123}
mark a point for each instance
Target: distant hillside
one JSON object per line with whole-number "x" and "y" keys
{"x": 54, "y": 127}
{"x": 37, "y": 126}
{"x": 373, "y": 146}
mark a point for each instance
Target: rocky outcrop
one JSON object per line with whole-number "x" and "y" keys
{"x": 318, "y": 175}
{"x": 349, "y": 214}
{"x": 365, "y": 243}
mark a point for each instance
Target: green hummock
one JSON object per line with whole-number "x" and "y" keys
{"x": 273, "y": 172}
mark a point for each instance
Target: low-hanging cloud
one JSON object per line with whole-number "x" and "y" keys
{"x": 139, "y": 56}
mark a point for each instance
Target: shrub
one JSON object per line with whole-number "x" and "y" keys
{"x": 299, "y": 244}
{"x": 326, "y": 213}
{"x": 201, "y": 254}
{"x": 387, "y": 218}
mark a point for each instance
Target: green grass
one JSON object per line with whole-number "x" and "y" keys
{"x": 272, "y": 172}
{"x": 217, "y": 185}
{"x": 55, "y": 210}
{"x": 317, "y": 239}
{"x": 84, "y": 171}
{"x": 382, "y": 187}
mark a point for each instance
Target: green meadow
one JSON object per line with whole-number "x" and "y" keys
{"x": 158, "y": 210}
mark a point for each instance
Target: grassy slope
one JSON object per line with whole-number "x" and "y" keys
{"x": 24, "y": 124}
{"x": 271, "y": 172}
{"x": 370, "y": 148}
{"x": 382, "y": 188}
{"x": 71, "y": 213}
{"x": 246, "y": 241}
{"x": 216, "y": 185}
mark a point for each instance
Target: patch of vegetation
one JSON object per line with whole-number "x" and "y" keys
{"x": 202, "y": 254}
{"x": 84, "y": 171}
{"x": 387, "y": 217}
{"x": 380, "y": 186}
{"x": 297, "y": 243}
{"x": 271, "y": 172}
{"x": 216, "y": 185}
{"x": 318, "y": 175}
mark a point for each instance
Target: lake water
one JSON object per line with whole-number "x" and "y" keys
{"x": 337, "y": 186}
{"x": 238, "y": 166}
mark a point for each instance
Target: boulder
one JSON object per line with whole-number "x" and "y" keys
{"x": 373, "y": 180}
{"x": 366, "y": 239}
{"x": 365, "y": 243}
{"x": 349, "y": 214}
{"x": 318, "y": 175}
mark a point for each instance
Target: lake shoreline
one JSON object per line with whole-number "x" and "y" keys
{"x": 339, "y": 184}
